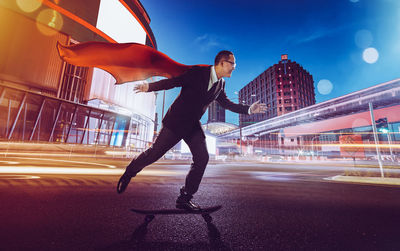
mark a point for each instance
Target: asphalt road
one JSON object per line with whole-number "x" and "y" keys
{"x": 265, "y": 207}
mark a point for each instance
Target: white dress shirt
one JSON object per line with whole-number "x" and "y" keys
{"x": 213, "y": 78}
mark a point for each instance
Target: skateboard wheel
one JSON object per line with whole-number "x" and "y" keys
{"x": 207, "y": 217}
{"x": 149, "y": 218}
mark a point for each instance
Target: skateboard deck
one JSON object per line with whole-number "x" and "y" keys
{"x": 150, "y": 214}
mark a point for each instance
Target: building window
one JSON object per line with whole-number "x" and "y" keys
{"x": 288, "y": 109}
{"x": 288, "y": 101}
{"x": 73, "y": 83}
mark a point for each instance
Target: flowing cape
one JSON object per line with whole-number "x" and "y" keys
{"x": 125, "y": 62}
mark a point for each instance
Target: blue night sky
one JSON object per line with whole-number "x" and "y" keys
{"x": 327, "y": 37}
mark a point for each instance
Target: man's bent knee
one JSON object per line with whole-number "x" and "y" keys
{"x": 201, "y": 160}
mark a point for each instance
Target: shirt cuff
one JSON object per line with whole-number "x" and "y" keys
{"x": 249, "y": 111}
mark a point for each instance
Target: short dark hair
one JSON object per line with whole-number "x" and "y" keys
{"x": 222, "y": 55}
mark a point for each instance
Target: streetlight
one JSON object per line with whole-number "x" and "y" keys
{"x": 371, "y": 111}
{"x": 312, "y": 145}
{"x": 240, "y": 126}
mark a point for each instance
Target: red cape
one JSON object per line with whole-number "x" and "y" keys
{"x": 125, "y": 62}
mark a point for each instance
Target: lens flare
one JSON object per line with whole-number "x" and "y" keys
{"x": 49, "y": 22}
{"x": 370, "y": 55}
{"x": 363, "y": 38}
{"x": 324, "y": 86}
{"x": 29, "y": 5}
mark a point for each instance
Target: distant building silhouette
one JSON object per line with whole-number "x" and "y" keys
{"x": 216, "y": 113}
{"x": 284, "y": 87}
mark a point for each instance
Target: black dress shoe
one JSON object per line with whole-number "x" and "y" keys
{"x": 184, "y": 201}
{"x": 188, "y": 205}
{"x": 123, "y": 182}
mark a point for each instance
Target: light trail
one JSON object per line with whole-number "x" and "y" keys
{"x": 85, "y": 171}
{"x": 9, "y": 162}
{"x": 72, "y": 161}
{"x": 46, "y": 154}
{"x": 358, "y": 145}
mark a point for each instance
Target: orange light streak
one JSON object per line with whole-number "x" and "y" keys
{"x": 100, "y": 130}
{"x": 73, "y": 161}
{"x": 78, "y": 20}
{"x": 73, "y": 170}
{"x": 58, "y": 170}
{"x": 46, "y": 154}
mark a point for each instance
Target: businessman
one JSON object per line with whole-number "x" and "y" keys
{"x": 200, "y": 86}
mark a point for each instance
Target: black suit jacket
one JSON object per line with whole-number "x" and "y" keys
{"x": 185, "y": 113}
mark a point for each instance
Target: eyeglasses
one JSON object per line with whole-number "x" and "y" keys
{"x": 232, "y": 63}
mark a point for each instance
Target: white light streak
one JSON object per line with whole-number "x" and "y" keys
{"x": 74, "y": 162}
{"x": 85, "y": 171}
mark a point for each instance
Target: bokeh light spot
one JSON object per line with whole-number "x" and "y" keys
{"x": 363, "y": 38}
{"x": 324, "y": 86}
{"x": 29, "y": 5}
{"x": 370, "y": 55}
{"x": 49, "y": 22}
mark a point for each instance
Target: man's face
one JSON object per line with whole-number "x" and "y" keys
{"x": 228, "y": 65}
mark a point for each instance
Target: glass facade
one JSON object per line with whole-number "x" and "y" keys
{"x": 30, "y": 116}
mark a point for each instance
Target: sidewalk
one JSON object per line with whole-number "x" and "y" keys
{"x": 366, "y": 180}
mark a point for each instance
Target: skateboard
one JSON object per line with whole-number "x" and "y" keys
{"x": 150, "y": 214}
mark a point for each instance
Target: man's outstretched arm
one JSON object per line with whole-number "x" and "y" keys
{"x": 164, "y": 84}
{"x": 256, "y": 107}
{"x": 227, "y": 104}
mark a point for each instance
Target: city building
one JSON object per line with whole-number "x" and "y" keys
{"x": 43, "y": 98}
{"x": 216, "y": 113}
{"x": 283, "y": 87}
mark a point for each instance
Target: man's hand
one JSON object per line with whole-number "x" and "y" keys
{"x": 143, "y": 87}
{"x": 258, "y": 108}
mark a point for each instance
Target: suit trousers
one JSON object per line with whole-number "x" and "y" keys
{"x": 165, "y": 141}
